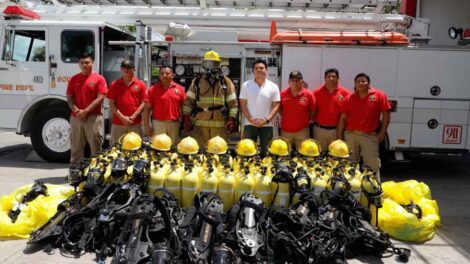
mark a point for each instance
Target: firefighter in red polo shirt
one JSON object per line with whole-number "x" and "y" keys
{"x": 85, "y": 94}
{"x": 329, "y": 98}
{"x": 165, "y": 100}
{"x": 360, "y": 116}
{"x": 297, "y": 108}
{"x": 126, "y": 100}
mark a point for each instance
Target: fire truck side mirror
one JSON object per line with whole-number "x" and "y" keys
{"x": 8, "y": 56}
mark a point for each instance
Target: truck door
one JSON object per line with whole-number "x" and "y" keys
{"x": 440, "y": 124}
{"x": 64, "y": 50}
{"x": 23, "y": 68}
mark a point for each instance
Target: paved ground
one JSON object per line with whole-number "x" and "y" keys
{"x": 448, "y": 178}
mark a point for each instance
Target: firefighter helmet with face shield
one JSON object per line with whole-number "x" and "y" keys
{"x": 339, "y": 149}
{"x": 131, "y": 141}
{"x": 161, "y": 142}
{"x": 246, "y": 147}
{"x": 279, "y": 147}
{"x": 310, "y": 148}
{"x": 217, "y": 145}
{"x": 188, "y": 146}
{"x": 211, "y": 61}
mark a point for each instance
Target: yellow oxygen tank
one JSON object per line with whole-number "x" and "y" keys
{"x": 209, "y": 181}
{"x": 158, "y": 174}
{"x": 371, "y": 196}
{"x": 354, "y": 178}
{"x": 173, "y": 181}
{"x": 91, "y": 165}
{"x": 107, "y": 166}
{"x": 280, "y": 185}
{"x": 246, "y": 183}
{"x": 189, "y": 186}
{"x": 263, "y": 189}
{"x": 226, "y": 188}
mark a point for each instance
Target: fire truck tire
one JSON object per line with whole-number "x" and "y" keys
{"x": 50, "y": 134}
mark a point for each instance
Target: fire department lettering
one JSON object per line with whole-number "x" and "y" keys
{"x": 6, "y": 87}
{"x": 20, "y": 87}
{"x": 17, "y": 87}
{"x": 63, "y": 78}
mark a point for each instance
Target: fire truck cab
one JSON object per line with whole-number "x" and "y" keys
{"x": 37, "y": 60}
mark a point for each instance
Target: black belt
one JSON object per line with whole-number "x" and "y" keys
{"x": 210, "y": 108}
{"x": 325, "y": 127}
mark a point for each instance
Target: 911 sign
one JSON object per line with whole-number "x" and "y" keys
{"x": 452, "y": 134}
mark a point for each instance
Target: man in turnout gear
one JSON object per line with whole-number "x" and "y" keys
{"x": 211, "y": 103}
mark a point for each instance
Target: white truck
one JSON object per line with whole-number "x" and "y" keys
{"x": 428, "y": 86}
{"x": 37, "y": 60}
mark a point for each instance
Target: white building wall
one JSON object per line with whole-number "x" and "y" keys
{"x": 443, "y": 15}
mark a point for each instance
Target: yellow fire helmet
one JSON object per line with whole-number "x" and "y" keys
{"x": 187, "y": 145}
{"x": 212, "y": 56}
{"x": 279, "y": 147}
{"x": 131, "y": 141}
{"x": 161, "y": 142}
{"x": 310, "y": 148}
{"x": 246, "y": 147}
{"x": 217, "y": 145}
{"x": 339, "y": 149}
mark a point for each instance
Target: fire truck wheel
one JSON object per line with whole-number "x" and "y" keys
{"x": 50, "y": 135}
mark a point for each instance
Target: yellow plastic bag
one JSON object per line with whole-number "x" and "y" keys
{"x": 35, "y": 214}
{"x": 403, "y": 192}
{"x": 395, "y": 220}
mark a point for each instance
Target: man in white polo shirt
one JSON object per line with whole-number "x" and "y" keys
{"x": 259, "y": 102}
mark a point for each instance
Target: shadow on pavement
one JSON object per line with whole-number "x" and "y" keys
{"x": 54, "y": 180}
{"x": 15, "y": 158}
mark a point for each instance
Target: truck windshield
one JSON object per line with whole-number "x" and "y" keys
{"x": 26, "y": 45}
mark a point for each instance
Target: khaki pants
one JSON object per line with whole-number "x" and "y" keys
{"x": 118, "y": 130}
{"x": 324, "y": 136}
{"x": 365, "y": 146}
{"x": 203, "y": 134}
{"x": 89, "y": 130}
{"x": 171, "y": 128}
{"x": 296, "y": 137}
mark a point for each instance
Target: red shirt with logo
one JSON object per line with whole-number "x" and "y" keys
{"x": 296, "y": 110}
{"x": 127, "y": 98}
{"x": 329, "y": 104}
{"x": 364, "y": 114}
{"x": 84, "y": 89}
{"x": 166, "y": 102}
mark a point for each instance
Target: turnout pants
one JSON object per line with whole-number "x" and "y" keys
{"x": 203, "y": 134}
{"x": 89, "y": 130}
